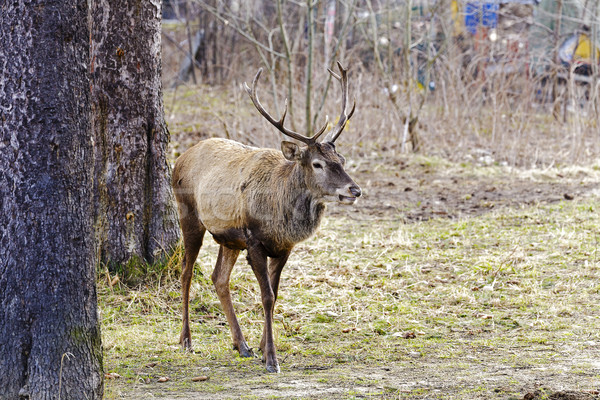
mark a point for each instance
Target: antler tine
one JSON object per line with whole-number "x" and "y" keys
{"x": 336, "y": 76}
{"x": 320, "y": 132}
{"x": 277, "y": 124}
{"x": 342, "y": 123}
{"x": 344, "y": 116}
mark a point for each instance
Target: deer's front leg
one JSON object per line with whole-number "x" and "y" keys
{"x": 275, "y": 268}
{"x": 257, "y": 257}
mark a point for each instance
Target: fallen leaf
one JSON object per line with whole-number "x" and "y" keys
{"x": 200, "y": 378}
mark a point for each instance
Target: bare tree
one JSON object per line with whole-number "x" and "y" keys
{"x": 49, "y": 329}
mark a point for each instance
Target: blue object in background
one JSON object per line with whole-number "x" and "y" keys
{"x": 490, "y": 15}
{"x": 484, "y": 14}
{"x": 471, "y": 17}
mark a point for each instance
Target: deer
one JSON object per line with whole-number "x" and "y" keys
{"x": 260, "y": 200}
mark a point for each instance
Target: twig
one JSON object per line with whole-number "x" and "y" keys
{"x": 68, "y": 355}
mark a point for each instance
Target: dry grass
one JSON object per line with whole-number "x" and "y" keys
{"x": 460, "y": 131}
{"x": 514, "y": 290}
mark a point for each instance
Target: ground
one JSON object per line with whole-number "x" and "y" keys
{"x": 447, "y": 280}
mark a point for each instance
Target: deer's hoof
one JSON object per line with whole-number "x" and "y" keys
{"x": 273, "y": 368}
{"x": 186, "y": 344}
{"x": 245, "y": 351}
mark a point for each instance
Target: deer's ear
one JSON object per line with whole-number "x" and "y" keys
{"x": 291, "y": 151}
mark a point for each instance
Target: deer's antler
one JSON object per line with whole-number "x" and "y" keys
{"x": 279, "y": 123}
{"x": 344, "y": 116}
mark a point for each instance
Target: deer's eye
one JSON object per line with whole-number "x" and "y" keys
{"x": 317, "y": 165}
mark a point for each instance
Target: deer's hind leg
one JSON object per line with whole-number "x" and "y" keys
{"x": 193, "y": 233}
{"x": 220, "y": 277}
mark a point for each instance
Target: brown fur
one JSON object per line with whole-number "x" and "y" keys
{"x": 227, "y": 185}
{"x": 260, "y": 200}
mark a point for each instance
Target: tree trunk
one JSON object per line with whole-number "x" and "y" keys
{"x": 136, "y": 218}
{"x": 49, "y": 329}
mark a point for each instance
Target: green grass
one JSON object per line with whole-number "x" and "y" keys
{"x": 515, "y": 288}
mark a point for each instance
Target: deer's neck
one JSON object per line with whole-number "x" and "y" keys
{"x": 283, "y": 210}
{"x": 302, "y": 209}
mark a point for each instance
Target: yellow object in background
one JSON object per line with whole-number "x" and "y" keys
{"x": 583, "y": 52}
{"x": 456, "y": 17}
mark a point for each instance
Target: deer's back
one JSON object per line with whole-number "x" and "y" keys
{"x": 219, "y": 177}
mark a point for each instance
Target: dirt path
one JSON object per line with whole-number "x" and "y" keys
{"x": 420, "y": 190}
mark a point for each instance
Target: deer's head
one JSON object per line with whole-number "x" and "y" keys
{"x": 322, "y": 166}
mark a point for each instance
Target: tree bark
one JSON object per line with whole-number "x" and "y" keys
{"x": 136, "y": 219}
{"x": 49, "y": 329}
